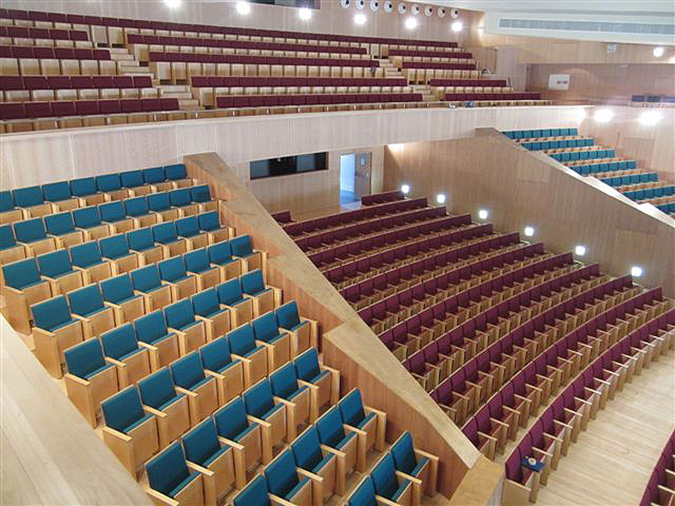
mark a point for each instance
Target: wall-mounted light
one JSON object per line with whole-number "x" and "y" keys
{"x": 243, "y": 8}
{"x": 483, "y": 214}
{"x": 405, "y": 189}
{"x": 440, "y": 198}
{"x": 659, "y": 51}
{"x": 457, "y": 26}
{"x": 396, "y": 148}
{"x": 650, "y": 118}
{"x": 580, "y": 250}
{"x": 173, "y": 4}
{"x": 411, "y": 23}
{"x": 360, "y": 19}
{"x": 305, "y": 14}
{"x": 528, "y": 231}
{"x": 636, "y": 271}
{"x": 603, "y": 115}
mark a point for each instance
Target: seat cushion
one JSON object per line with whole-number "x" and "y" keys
{"x": 276, "y": 408}
{"x": 137, "y": 423}
{"x": 183, "y": 484}
{"x": 253, "y": 351}
{"x": 130, "y": 354}
{"x": 64, "y": 324}
{"x": 419, "y": 466}
{"x": 367, "y": 419}
{"x": 170, "y": 402}
{"x": 400, "y": 490}
{"x": 297, "y": 488}
{"x": 245, "y": 431}
{"x": 227, "y": 366}
{"x": 317, "y": 468}
{"x": 319, "y": 376}
{"x": 213, "y": 457}
{"x": 100, "y": 369}
{"x": 348, "y": 437}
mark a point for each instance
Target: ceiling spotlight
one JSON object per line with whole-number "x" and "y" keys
{"x": 483, "y": 214}
{"x": 650, "y": 118}
{"x": 360, "y": 19}
{"x": 243, "y": 8}
{"x": 305, "y": 14}
{"x": 528, "y": 231}
{"x": 659, "y": 51}
{"x": 580, "y": 250}
{"x": 603, "y": 115}
{"x": 456, "y": 26}
{"x": 636, "y": 271}
{"x": 440, "y": 198}
{"x": 173, "y": 4}
{"x": 411, "y": 23}
{"x": 405, "y": 189}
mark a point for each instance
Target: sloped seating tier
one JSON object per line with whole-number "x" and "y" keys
{"x": 430, "y": 54}
{"x": 134, "y": 25}
{"x": 174, "y": 57}
{"x": 468, "y": 82}
{"x": 382, "y": 198}
{"x": 72, "y": 88}
{"x": 406, "y": 325}
{"x": 660, "y": 487}
{"x": 479, "y": 97}
{"x": 50, "y": 53}
{"x": 591, "y": 385}
{"x": 285, "y": 81}
{"x": 566, "y": 146}
{"x": 547, "y": 369}
{"x": 241, "y": 101}
{"x": 184, "y": 42}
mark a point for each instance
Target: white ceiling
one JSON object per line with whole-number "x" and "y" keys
{"x": 632, "y": 21}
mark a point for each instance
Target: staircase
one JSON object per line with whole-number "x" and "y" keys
{"x": 389, "y": 69}
{"x": 182, "y": 93}
{"x": 127, "y": 65}
{"x": 425, "y": 90}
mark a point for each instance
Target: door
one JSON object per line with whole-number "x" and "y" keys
{"x": 362, "y": 174}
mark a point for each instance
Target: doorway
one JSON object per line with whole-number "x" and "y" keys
{"x": 354, "y": 176}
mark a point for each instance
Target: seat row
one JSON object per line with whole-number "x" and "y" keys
{"x": 564, "y": 143}
{"x": 661, "y": 486}
{"x": 583, "y": 154}
{"x": 542, "y": 132}
{"x": 35, "y": 201}
{"x": 36, "y": 17}
{"x": 300, "y": 82}
{"x": 476, "y": 83}
{"x": 645, "y": 177}
{"x": 33, "y": 279}
{"x": 600, "y": 167}
{"x": 477, "y": 97}
{"x": 226, "y": 102}
{"x": 157, "y": 56}
{"x": 56, "y": 35}
{"x": 538, "y": 452}
{"x": 651, "y": 193}
{"x": 50, "y": 53}
{"x": 382, "y": 198}
{"x": 66, "y": 87}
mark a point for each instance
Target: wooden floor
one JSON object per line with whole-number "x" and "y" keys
{"x": 612, "y": 460}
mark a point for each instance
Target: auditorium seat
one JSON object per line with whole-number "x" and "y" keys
{"x": 89, "y": 378}
{"x": 188, "y": 229}
{"x": 23, "y": 288}
{"x": 209, "y": 224}
{"x": 369, "y": 424}
{"x": 153, "y": 334}
{"x": 56, "y": 268}
{"x": 180, "y": 319}
{"x": 87, "y": 305}
{"x": 320, "y": 464}
{"x": 323, "y": 382}
{"x": 212, "y": 459}
{"x": 129, "y": 431}
{"x": 31, "y": 201}
{"x": 62, "y": 227}
{"x": 88, "y": 220}
{"x": 288, "y": 391}
{"x": 200, "y": 389}
{"x": 220, "y": 255}
{"x": 32, "y": 235}
{"x": 232, "y": 297}
{"x": 242, "y": 249}
{"x": 265, "y": 298}
{"x": 303, "y": 331}
{"x": 10, "y": 251}
{"x": 9, "y": 213}
{"x": 206, "y": 307}
{"x": 415, "y": 463}
{"x": 60, "y": 196}
{"x": 239, "y": 431}
{"x": 252, "y": 355}
{"x": 87, "y": 258}
{"x": 142, "y": 243}
{"x": 55, "y": 331}
{"x": 118, "y": 293}
{"x": 339, "y": 442}
{"x": 389, "y": 484}
{"x": 174, "y": 274}
{"x": 122, "y": 350}
{"x": 255, "y": 492}
{"x": 277, "y": 344}
{"x": 197, "y": 264}
{"x": 228, "y": 372}
{"x": 363, "y": 494}
{"x": 171, "y": 481}
{"x": 284, "y": 480}
{"x": 170, "y": 407}
{"x": 115, "y": 251}
{"x": 271, "y": 415}
{"x": 166, "y": 236}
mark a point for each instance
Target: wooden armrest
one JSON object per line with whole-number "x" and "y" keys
{"x": 189, "y": 393}
{"x": 384, "y": 502}
{"x": 404, "y": 476}
{"x": 199, "y": 469}
{"x": 153, "y": 411}
{"x": 354, "y": 430}
{"x": 278, "y": 500}
{"x": 231, "y": 443}
{"x": 333, "y": 451}
{"x": 311, "y": 476}
{"x": 422, "y": 453}
{"x": 119, "y": 435}
{"x": 260, "y": 422}
{"x": 115, "y": 362}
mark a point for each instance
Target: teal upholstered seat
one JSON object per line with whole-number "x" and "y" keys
{"x": 85, "y": 360}
{"x": 168, "y": 472}
{"x": 254, "y": 494}
{"x": 124, "y": 410}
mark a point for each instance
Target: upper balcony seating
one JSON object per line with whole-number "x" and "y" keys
{"x": 382, "y": 198}
{"x": 44, "y": 37}
{"x": 55, "y": 61}
{"x": 543, "y": 132}
{"x": 492, "y": 97}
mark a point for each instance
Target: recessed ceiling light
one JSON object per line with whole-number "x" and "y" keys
{"x": 457, "y": 26}
{"x": 305, "y": 14}
{"x": 173, "y": 4}
{"x": 411, "y": 23}
{"x": 243, "y": 8}
{"x": 659, "y": 51}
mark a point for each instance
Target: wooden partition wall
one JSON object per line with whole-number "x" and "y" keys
{"x": 349, "y": 344}
{"x": 521, "y": 188}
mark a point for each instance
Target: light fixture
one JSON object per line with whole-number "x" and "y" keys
{"x": 580, "y": 250}
{"x": 397, "y": 148}
{"x": 659, "y": 51}
{"x": 636, "y": 271}
{"x": 528, "y": 231}
{"x": 457, "y": 26}
{"x": 411, "y": 23}
{"x": 405, "y": 189}
{"x": 360, "y": 19}
{"x": 483, "y": 214}
{"x": 579, "y": 114}
{"x": 305, "y": 14}
{"x": 243, "y": 8}
{"x": 173, "y": 4}
{"x": 440, "y": 198}
{"x": 650, "y": 118}
{"x": 603, "y": 115}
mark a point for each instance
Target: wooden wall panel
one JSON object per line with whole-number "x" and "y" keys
{"x": 605, "y": 83}
{"x": 522, "y": 188}
{"x": 347, "y": 342}
{"x": 651, "y": 146}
